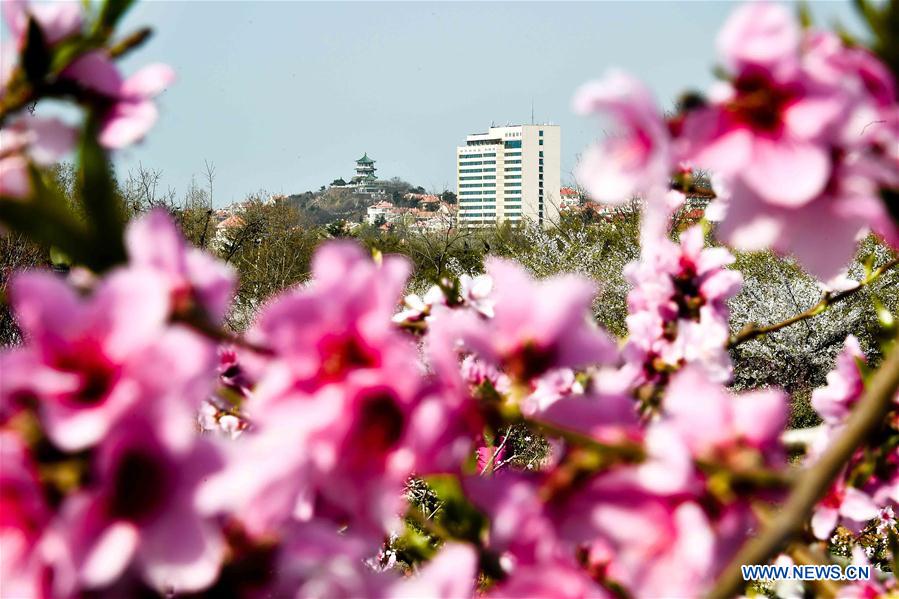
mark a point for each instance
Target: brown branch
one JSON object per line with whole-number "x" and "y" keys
{"x": 202, "y": 326}
{"x": 752, "y": 330}
{"x": 813, "y": 483}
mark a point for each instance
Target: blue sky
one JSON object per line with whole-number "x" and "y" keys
{"x": 284, "y": 96}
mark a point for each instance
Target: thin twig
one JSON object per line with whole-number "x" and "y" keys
{"x": 813, "y": 483}
{"x": 752, "y": 330}
{"x": 496, "y": 452}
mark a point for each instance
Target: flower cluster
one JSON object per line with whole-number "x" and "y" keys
{"x": 327, "y": 425}
{"x": 677, "y": 309}
{"x": 802, "y": 136}
{"x": 145, "y": 450}
{"x": 869, "y": 486}
{"x": 80, "y": 72}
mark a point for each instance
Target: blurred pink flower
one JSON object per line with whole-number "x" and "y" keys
{"x": 522, "y": 532}
{"x": 57, "y": 20}
{"x": 834, "y": 401}
{"x": 338, "y": 325}
{"x": 560, "y": 400}
{"x": 88, "y": 361}
{"x": 42, "y": 141}
{"x": 538, "y": 325}
{"x": 451, "y": 574}
{"x": 140, "y": 509}
{"x": 805, "y": 135}
{"x": 476, "y": 292}
{"x": 315, "y": 560}
{"x": 638, "y": 160}
{"x": 131, "y": 112}
{"x": 760, "y": 35}
{"x": 768, "y": 126}
{"x": 654, "y": 545}
{"x": 25, "y": 515}
{"x": 716, "y": 425}
{"x": 194, "y": 279}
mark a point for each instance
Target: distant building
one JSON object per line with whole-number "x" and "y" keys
{"x": 380, "y": 209}
{"x": 365, "y": 179}
{"x": 569, "y": 197}
{"x": 509, "y": 174}
{"x": 432, "y": 216}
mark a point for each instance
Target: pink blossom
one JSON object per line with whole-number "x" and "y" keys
{"x": 88, "y": 361}
{"x": 450, "y": 574}
{"x": 654, "y": 545}
{"x": 873, "y": 588}
{"x": 24, "y": 518}
{"x": 844, "y": 505}
{"x": 678, "y": 311}
{"x": 42, "y": 141}
{"x": 524, "y": 536}
{"x": 538, "y": 326}
{"x": 834, "y": 401}
{"x": 314, "y": 560}
{"x": 760, "y": 34}
{"x": 338, "y": 325}
{"x": 418, "y": 309}
{"x": 140, "y": 510}
{"x": 805, "y": 135}
{"x": 768, "y": 125}
{"x": 840, "y": 216}
{"x": 193, "y": 278}
{"x": 475, "y": 372}
{"x": 131, "y": 113}
{"x": 637, "y": 161}
{"x": 336, "y": 401}
{"x": 57, "y": 20}
{"x": 560, "y": 400}
{"x": 342, "y": 453}
{"x": 717, "y": 425}
{"x": 475, "y": 293}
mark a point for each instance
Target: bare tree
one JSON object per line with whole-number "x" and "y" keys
{"x": 142, "y": 192}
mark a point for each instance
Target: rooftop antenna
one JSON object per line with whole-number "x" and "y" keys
{"x": 532, "y": 110}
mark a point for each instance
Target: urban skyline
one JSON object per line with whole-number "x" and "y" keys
{"x": 403, "y": 91}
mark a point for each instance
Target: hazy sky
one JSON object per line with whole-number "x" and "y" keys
{"x": 284, "y": 96}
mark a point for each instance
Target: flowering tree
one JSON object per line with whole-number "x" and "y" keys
{"x": 339, "y": 447}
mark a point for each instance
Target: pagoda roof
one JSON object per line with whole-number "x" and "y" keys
{"x": 365, "y": 160}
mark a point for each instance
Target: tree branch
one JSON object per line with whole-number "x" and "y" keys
{"x": 752, "y": 330}
{"x": 813, "y": 483}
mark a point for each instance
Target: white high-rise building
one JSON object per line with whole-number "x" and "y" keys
{"x": 509, "y": 174}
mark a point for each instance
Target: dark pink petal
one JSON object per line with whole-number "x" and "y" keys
{"x": 96, "y": 72}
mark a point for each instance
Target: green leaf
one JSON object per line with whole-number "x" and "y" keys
{"x": 59, "y": 257}
{"x": 111, "y": 12}
{"x": 67, "y": 51}
{"x": 103, "y": 208}
{"x": 805, "y": 14}
{"x": 46, "y": 220}
{"x": 457, "y": 515}
{"x": 36, "y": 56}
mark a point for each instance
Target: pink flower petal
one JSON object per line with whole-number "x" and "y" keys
{"x": 96, "y": 72}
{"x": 127, "y": 123}
{"x": 147, "y": 82}
{"x": 786, "y": 172}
